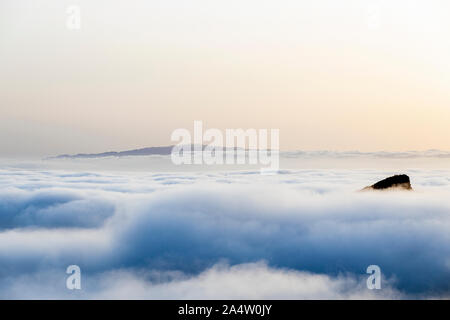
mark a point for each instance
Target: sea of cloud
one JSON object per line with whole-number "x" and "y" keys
{"x": 300, "y": 234}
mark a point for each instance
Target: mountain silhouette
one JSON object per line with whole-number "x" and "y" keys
{"x": 165, "y": 150}
{"x": 400, "y": 181}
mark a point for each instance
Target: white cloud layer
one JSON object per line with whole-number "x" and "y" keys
{"x": 299, "y": 234}
{"x": 221, "y": 281}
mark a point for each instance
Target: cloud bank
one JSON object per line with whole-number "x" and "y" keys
{"x": 299, "y": 234}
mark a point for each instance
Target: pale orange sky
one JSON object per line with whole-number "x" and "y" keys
{"x": 340, "y": 75}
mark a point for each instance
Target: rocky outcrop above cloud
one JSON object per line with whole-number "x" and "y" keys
{"x": 397, "y": 182}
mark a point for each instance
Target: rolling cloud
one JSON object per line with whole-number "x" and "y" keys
{"x": 299, "y": 234}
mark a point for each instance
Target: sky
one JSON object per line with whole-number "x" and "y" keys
{"x": 347, "y": 75}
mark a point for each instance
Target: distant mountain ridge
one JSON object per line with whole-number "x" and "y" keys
{"x": 165, "y": 150}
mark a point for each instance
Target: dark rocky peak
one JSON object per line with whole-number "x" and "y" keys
{"x": 400, "y": 181}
